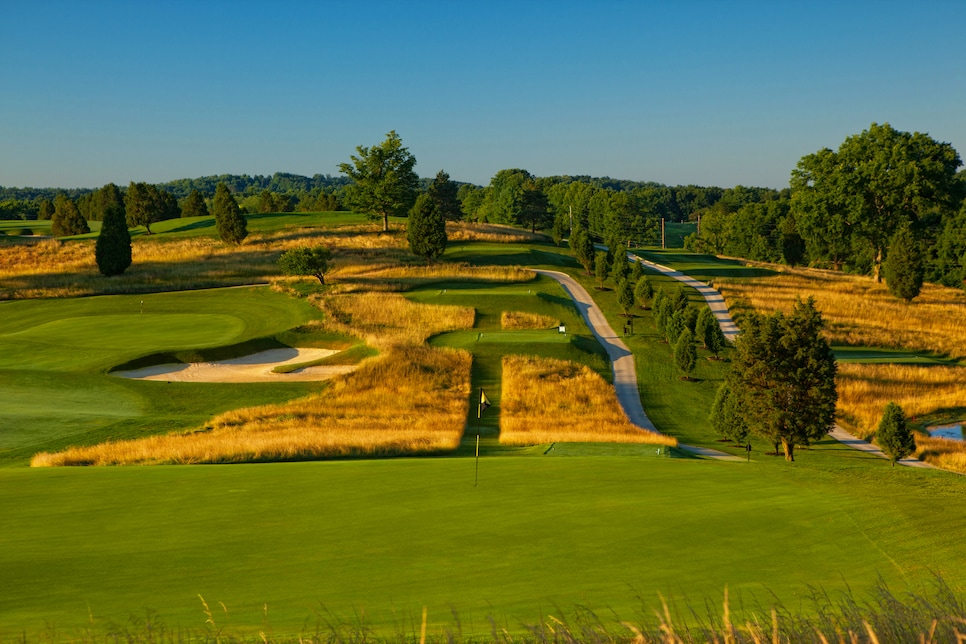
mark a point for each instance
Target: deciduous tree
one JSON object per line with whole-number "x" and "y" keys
{"x": 384, "y": 183}
{"x": 643, "y": 291}
{"x": 306, "y": 260}
{"x": 685, "y": 355}
{"x": 783, "y": 374}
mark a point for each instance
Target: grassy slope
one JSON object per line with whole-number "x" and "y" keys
{"x": 538, "y": 536}
{"x": 539, "y": 533}
{"x": 54, "y": 355}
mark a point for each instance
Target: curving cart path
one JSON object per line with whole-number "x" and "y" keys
{"x": 716, "y": 301}
{"x": 625, "y": 375}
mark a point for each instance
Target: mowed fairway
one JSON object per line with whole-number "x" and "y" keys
{"x": 539, "y": 536}
{"x": 55, "y": 354}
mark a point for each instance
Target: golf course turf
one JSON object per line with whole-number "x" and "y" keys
{"x": 290, "y": 548}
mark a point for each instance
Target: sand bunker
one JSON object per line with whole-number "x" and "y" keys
{"x": 256, "y": 367}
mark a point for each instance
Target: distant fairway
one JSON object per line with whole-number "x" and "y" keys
{"x": 528, "y": 337}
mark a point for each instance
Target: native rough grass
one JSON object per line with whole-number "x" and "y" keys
{"x": 859, "y": 312}
{"x": 523, "y": 321}
{"x": 365, "y": 258}
{"x": 409, "y": 400}
{"x": 919, "y": 390}
{"x": 547, "y": 400}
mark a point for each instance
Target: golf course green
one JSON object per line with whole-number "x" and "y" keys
{"x": 309, "y": 548}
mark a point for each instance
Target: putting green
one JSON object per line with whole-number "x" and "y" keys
{"x": 151, "y": 332}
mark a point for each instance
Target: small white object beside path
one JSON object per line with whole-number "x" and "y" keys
{"x": 625, "y": 375}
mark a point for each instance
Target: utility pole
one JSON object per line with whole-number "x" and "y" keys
{"x": 663, "y": 246}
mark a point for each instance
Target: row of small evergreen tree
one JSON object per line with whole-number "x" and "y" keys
{"x": 112, "y": 250}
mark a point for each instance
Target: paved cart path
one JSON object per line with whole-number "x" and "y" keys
{"x": 625, "y": 375}
{"x": 716, "y": 301}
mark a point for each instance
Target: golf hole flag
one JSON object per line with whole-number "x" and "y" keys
{"x": 484, "y": 403}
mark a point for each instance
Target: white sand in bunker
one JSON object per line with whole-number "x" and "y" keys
{"x": 256, "y": 367}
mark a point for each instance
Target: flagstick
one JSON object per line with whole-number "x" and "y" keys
{"x": 477, "y": 479}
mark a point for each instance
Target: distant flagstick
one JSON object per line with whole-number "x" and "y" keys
{"x": 480, "y": 408}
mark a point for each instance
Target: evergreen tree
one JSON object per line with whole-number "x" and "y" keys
{"x": 679, "y": 299}
{"x": 903, "y": 266}
{"x": 67, "y": 219}
{"x": 625, "y": 295}
{"x": 643, "y": 291}
{"x": 232, "y": 226}
{"x": 426, "y": 229}
{"x": 306, "y": 261}
{"x": 685, "y": 355}
{"x": 444, "y": 193}
{"x": 194, "y": 205}
{"x": 105, "y": 198}
{"x": 113, "y": 248}
{"x": 894, "y": 435}
{"x": 139, "y": 207}
{"x": 561, "y": 228}
{"x": 727, "y": 417}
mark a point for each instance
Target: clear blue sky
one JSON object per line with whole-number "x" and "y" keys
{"x": 712, "y": 93}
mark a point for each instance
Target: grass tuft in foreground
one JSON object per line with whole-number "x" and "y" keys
{"x": 547, "y": 400}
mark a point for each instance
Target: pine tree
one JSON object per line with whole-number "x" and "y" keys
{"x": 194, "y": 205}
{"x": 637, "y": 271}
{"x": 620, "y": 268}
{"x": 67, "y": 219}
{"x": 232, "y": 226}
{"x": 903, "y": 266}
{"x": 685, "y": 355}
{"x": 894, "y": 435}
{"x": 444, "y": 193}
{"x": 703, "y": 325}
{"x": 113, "y": 248}
{"x": 426, "y": 229}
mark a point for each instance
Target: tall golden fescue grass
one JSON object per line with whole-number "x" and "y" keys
{"x": 522, "y": 320}
{"x": 410, "y": 400}
{"x": 857, "y": 311}
{"x": 460, "y": 231}
{"x": 547, "y": 400}
{"x": 865, "y": 390}
{"x": 389, "y": 319}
